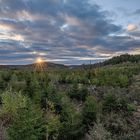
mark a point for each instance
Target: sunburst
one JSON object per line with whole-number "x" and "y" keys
{"x": 39, "y": 60}
{"x": 40, "y": 64}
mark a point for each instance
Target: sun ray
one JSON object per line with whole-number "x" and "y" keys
{"x": 39, "y": 60}
{"x": 40, "y": 64}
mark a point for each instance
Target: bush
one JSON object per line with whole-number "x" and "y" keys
{"x": 117, "y": 104}
{"x": 11, "y": 102}
{"x": 78, "y": 92}
{"x": 131, "y": 108}
{"x": 90, "y": 111}
{"x": 28, "y": 124}
{"x": 98, "y": 132}
{"x": 110, "y": 102}
{"x": 53, "y": 126}
{"x": 123, "y": 81}
{"x": 72, "y": 127}
{"x": 117, "y": 125}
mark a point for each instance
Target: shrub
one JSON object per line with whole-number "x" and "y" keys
{"x": 78, "y": 92}
{"x": 110, "y": 102}
{"x": 98, "y": 132}
{"x": 117, "y": 125}
{"x": 131, "y": 108}
{"x": 72, "y": 127}
{"x": 11, "y": 102}
{"x": 28, "y": 124}
{"x": 90, "y": 110}
{"x": 53, "y": 126}
{"x": 117, "y": 104}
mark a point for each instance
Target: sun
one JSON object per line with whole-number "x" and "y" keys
{"x": 40, "y": 64}
{"x": 39, "y": 60}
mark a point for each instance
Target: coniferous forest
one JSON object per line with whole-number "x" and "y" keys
{"x": 88, "y": 102}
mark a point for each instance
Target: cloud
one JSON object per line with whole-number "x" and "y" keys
{"x": 131, "y": 27}
{"x": 137, "y": 12}
{"x": 70, "y": 31}
{"x": 135, "y": 34}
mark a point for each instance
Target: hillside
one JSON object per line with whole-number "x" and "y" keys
{"x": 122, "y": 59}
{"x": 91, "y": 103}
{"x": 44, "y": 65}
{"x": 126, "y": 58}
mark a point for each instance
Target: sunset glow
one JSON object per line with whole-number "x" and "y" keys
{"x": 39, "y": 60}
{"x": 67, "y": 31}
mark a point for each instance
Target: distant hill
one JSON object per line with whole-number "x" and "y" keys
{"x": 44, "y": 66}
{"x": 122, "y": 59}
{"x": 125, "y": 58}
{"x": 47, "y": 65}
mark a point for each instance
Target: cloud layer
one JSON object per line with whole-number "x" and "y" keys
{"x": 63, "y": 31}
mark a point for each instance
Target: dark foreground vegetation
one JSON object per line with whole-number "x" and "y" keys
{"x": 85, "y": 103}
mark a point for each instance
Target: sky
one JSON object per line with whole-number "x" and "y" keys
{"x": 68, "y": 31}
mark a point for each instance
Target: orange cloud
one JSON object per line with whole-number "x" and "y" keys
{"x": 4, "y": 27}
{"x": 131, "y": 27}
{"x": 72, "y": 20}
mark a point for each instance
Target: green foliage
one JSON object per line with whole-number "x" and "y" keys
{"x": 36, "y": 91}
{"x": 15, "y": 84}
{"x": 11, "y": 102}
{"x": 123, "y": 80}
{"x": 6, "y": 75}
{"x": 78, "y": 92}
{"x": 72, "y": 127}
{"x": 112, "y": 76}
{"x": 131, "y": 108}
{"x": 2, "y": 84}
{"x": 51, "y": 92}
{"x": 117, "y": 125}
{"x": 53, "y": 126}
{"x": 28, "y": 124}
{"x": 110, "y": 102}
{"x": 63, "y": 104}
{"x": 55, "y": 97}
{"x": 98, "y": 132}
{"x": 122, "y": 59}
{"x": 28, "y": 88}
{"x": 90, "y": 111}
{"x": 114, "y": 103}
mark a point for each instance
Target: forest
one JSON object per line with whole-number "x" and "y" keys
{"x": 87, "y": 102}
